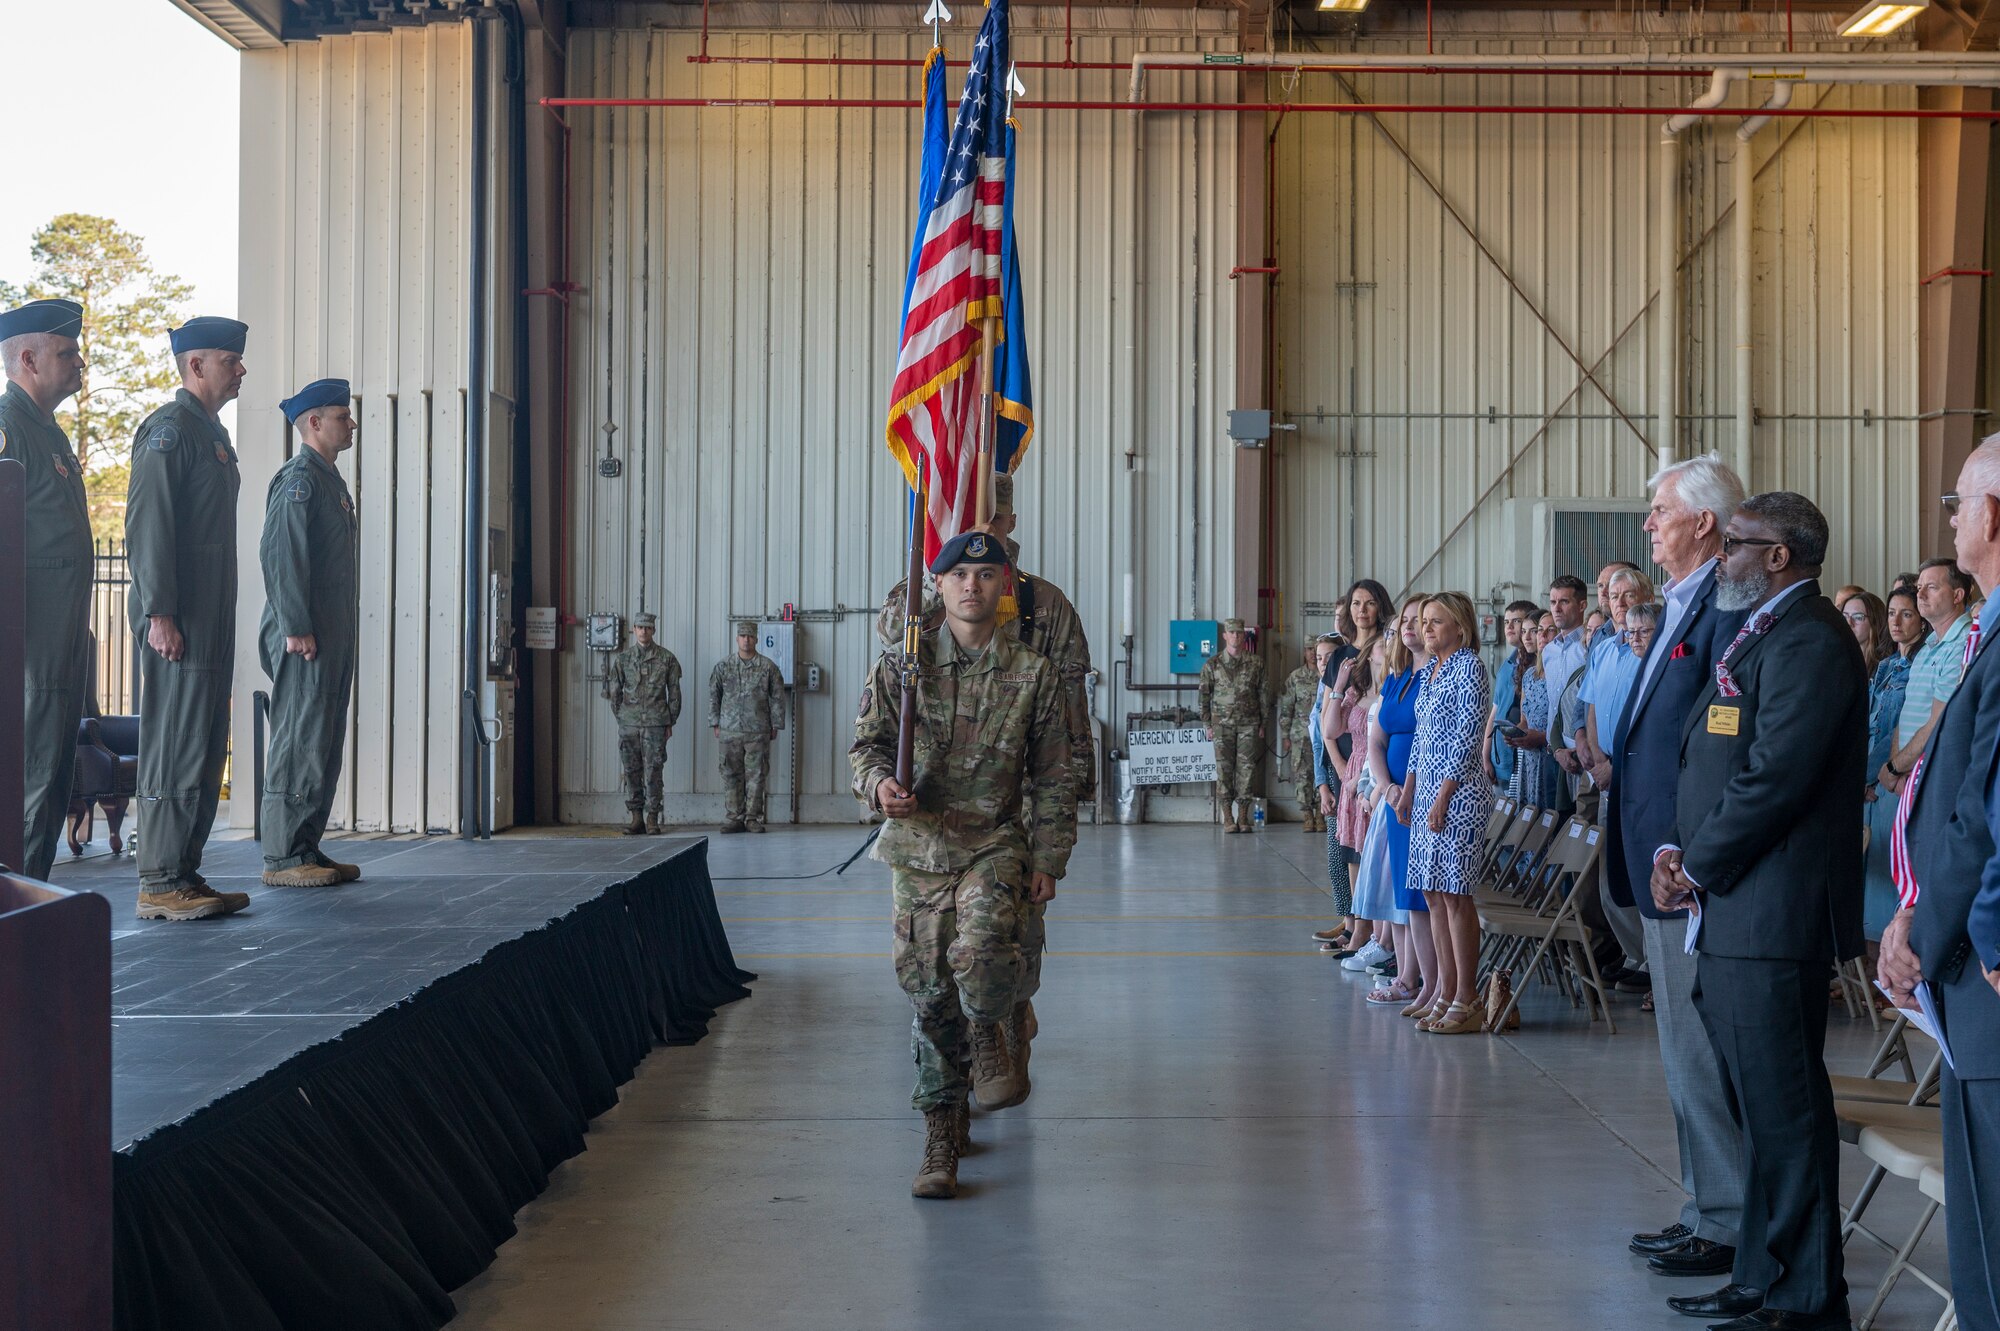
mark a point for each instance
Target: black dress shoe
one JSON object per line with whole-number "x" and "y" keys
{"x": 1729, "y": 1301}
{"x": 1696, "y": 1257}
{"x": 1673, "y": 1236}
{"x": 1777, "y": 1319}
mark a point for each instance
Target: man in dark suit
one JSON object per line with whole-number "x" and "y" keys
{"x": 1950, "y": 846}
{"x": 1691, "y": 502}
{"x": 1774, "y": 756}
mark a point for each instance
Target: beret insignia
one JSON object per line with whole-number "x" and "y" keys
{"x": 976, "y": 547}
{"x": 163, "y": 438}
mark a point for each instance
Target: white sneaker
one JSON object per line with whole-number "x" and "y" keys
{"x": 1370, "y": 953}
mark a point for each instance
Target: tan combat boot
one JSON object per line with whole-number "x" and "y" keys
{"x": 1229, "y": 816}
{"x": 637, "y": 827}
{"x": 301, "y": 875}
{"x": 1021, "y": 1031}
{"x": 183, "y": 901}
{"x": 962, "y": 1117}
{"x": 231, "y": 901}
{"x": 654, "y": 825}
{"x": 937, "y": 1176}
{"x": 347, "y": 873}
{"x": 995, "y": 1079}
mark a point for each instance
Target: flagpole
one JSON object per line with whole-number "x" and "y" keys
{"x": 989, "y": 428}
{"x": 913, "y": 612}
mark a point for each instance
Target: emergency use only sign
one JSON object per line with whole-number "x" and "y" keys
{"x": 1168, "y": 757}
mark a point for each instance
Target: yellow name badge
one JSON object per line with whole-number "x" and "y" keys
{"x": 1724, "y": 720}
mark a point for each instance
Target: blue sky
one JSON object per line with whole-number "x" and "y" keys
{"x": 100, "y": 93}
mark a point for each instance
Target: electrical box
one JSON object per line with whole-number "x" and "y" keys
{"x": 1250, "y": 428}
{"x": 496, "y": 709}
{"x": 604, "y": 633}
{"x": 777, "y": 639}
{"x": 1191, "y": 643}
{"x": 811, "y": 680}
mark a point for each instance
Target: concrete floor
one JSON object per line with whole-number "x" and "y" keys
{"x": 1222, "y": 1134}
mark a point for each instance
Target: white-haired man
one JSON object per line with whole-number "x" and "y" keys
{"x": 38, "y": 347}
{"x": 1692, "y": 502}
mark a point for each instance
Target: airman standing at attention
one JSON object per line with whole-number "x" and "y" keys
{"x": 38, "y": 348}
{"x": 643, "y": 684}
{"x": 180, "y": 539}
{"x": 746, "y": 710}
{"x": 1294, "y": 712}
{"x": 968, "y": 854}
{"x": 1235, "y": 701}
{"x": 308, "y": 636}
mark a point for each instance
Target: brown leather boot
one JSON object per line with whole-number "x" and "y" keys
{"x": 347, "y": 873}
{"x": 183, "y": 901}
{"x": 996, "y": 1081}
{"x": 637, "y": 827}
{"x": 937, "y": 1176}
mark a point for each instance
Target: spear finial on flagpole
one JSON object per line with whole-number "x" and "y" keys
{"x": 937, "y": 15}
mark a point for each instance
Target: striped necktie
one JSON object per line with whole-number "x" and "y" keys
{"x": 1899, "y": 833}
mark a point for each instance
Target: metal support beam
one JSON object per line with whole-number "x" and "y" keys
{"x": 1953, "y": 158}
{"x": 1252, "y": 539}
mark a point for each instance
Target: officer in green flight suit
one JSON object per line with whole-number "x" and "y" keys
{"x": 180, "y": 539}
{"x": 306, "y": 640}
{"x": 38, "y": 347}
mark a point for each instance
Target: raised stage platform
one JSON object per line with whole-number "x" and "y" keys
{"x": 328, "y": 1107}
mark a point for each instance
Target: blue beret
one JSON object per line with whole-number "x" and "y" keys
{"x": 64, "y": 317}
{"x": 209, "y": 333}
{"x": 318, "y": 393}
{"x": 972, "y": 547}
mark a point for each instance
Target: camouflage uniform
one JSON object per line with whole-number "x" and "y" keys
{"x": 1042, "y": 618}
{"x": 746, "y": 703}
{"x": 991, "y": 758}
{"x": 644, "y": 686}
{"x": 1235, "y": 700}
{"x": 1294, "y": 716}
{"x": 56, "y": 629}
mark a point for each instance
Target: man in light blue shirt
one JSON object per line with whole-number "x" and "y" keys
{"x": 1942, "y": 591}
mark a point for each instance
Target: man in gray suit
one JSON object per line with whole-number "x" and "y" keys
{"x": 1928, "y": 942}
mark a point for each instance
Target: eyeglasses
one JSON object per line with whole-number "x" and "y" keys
{"x": 1731, "y": 544}
{"x": 1952, "y": 501}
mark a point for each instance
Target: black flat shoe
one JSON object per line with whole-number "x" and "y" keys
{"x": 1647, "y": 1245}
{"x": 1696, "y": 1257}
{"x": 1777, "y": 1319}
{"x": 1729, "y": 1301}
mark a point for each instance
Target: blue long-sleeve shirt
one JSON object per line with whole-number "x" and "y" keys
{"x": 1983, "y": 923}
{"x": 1322, "y": 769}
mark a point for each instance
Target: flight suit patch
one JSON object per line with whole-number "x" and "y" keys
{"x": 299, "y": 491}
{"x": 163, "y": 438}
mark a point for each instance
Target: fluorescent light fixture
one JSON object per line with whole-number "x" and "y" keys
{"x": 1344, "y": 6}
{"x": 1881, "y": 18}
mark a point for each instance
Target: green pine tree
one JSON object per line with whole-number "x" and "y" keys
{"x": 128, "y": 306}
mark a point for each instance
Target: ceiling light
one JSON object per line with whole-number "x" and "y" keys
{"x": 1881, "y": 18}
{"x": 1344, "y": 6}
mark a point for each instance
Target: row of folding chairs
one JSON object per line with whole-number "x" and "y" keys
{"x": 1537, "y": 876}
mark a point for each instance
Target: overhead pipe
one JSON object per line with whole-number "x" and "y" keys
{"x": 1920, "y": 67}
{"x": 1291, "y": 108}
{"x": 1667, "y": 348}
{"x": 1404, "y": 66}
{"x": 1742, "y": 242}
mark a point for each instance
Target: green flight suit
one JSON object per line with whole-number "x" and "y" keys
{"x": 180, "y": 538}
{"x": 309, "y": 553}
{"x": 58, "y": 606}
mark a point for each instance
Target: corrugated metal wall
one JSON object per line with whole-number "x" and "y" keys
{"x": 1415, "y": 372}
{"x": 355, "y": 221}
{"x": 743, "y": 274}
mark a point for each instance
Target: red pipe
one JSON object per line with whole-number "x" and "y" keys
{"x": 886, "y": 62}
{"x": 1238, "y": 272}
{"x": 1956, "y": 272}
{"x": 1326, "y": 108}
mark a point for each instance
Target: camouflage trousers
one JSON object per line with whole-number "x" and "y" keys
{"x": 746, "y": 779}
{"x": 1301, "y": 759}
{"x": 1239, "y": 761}
{"x": 959, "y": 957}
{"x": 642, "y": 751}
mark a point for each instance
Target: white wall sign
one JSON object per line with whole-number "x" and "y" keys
{"x": 1167, "y": 757}
{"x": 541, "y": 628}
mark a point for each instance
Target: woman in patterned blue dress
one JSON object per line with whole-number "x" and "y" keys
{"x": 1450, "y": 800}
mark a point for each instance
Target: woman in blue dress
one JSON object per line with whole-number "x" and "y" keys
{"x": 1537, "y": 782}
{"x": 1449, "y": 803}
{"x": 1402, "y": 687}
{"x": 1907, "y": 630}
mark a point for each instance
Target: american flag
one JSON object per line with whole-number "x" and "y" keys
{"x": 954, "y": 283}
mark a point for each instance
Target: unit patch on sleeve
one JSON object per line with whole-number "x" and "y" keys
{"x": 164, "y": 437}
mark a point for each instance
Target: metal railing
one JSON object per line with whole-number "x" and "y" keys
{"x": 115, "y": 655}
